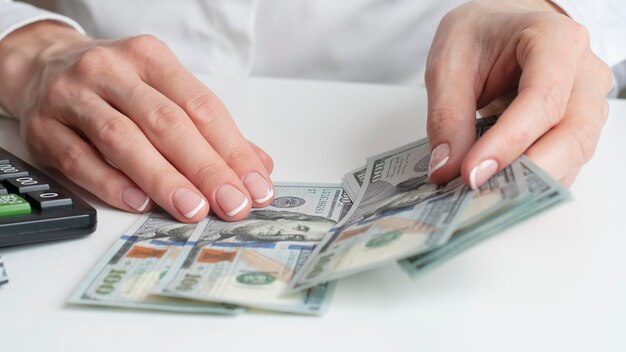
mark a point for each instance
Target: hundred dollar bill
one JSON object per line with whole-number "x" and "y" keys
{"x": 544, "y": 193}
{"x": 353, "y": 180}
{"x": 251, "y": 261}
{"x": 397, "y": 206}
{"x": 4, "y": 278}
{"x": 125, "y": 276}
{"x": 503, "y": 190}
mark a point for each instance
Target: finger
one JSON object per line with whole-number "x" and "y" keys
{"x": 568, "y": 180}
{"x": 572, "y": 143}
{"x": 502, "y": 77}
{"x": 81, "y": 163}
{"x": 450, "y": 83}
{"x": 549, "y": 67}
{"x": 212, "y": 119}
{"x": 265, "y": 158}
{"x": 125, "y": 145}
{"x": 175, "y": 136}
{"x": 214, "y": 122}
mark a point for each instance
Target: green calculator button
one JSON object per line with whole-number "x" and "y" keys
{"x": 12, "y": 204}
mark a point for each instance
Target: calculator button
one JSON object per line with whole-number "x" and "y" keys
{"x": 49, "y": 200}
{"x": 25, "y": 184}
{"x": 4, "y": 161}
{"x": 8, "y": 171}
{"x": 3, "y": 190}
{"x": 12, "y": 204}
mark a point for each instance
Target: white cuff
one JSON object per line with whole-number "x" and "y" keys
{"x": 15, "y": 15}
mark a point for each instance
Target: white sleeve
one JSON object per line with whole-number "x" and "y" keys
{"x": 606, "y": 22}
{"x": 14, "y": 15}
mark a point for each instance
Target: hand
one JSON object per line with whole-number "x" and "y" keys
{"x": 484, "y": 50}
{"x": 126, "y": 121}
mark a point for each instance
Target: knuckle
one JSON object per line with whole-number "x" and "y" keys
{"x": 210, "y": 172}
{"x": 33, "y": 128}
{"x": 56, "y": 89}
{"x": 440, "y": 121}
{"x": 237, "y": 157}
{"x": 458, "y": 14}
{"x": 268, "y": 162}
{"x": 605, "y": 75}
{"x": 157, "y": 180}
{"x": 114, "y": 132}
{"x": 436, "y": 68}
{"x": 35, "y": 132}
{"x": 549, "y": 108}
{"x": 605, "y": 112}
{"x": 70, "y": 159}
{"x": 583, "y": 142}
{"x": 204, "y": 107}
{"x": 144, "y": 45}
{"x": 579, "y": 33}
{"x": 165, "y": 119}
{"x": 91, "y": 61}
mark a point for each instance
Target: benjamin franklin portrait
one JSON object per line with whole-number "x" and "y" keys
{"x": 271, "y": 225}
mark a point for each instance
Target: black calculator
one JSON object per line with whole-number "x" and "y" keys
{"x": 35, "y": 208}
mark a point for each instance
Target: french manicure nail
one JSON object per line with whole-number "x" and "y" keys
{"x": 438, "y": 158}
{"x": 136, "y": 198}
{"x": 231, "y": 200}
{"x": 258, "y": 187}
{"x": 188, "y": 202}
{"x": 482, "y": 172}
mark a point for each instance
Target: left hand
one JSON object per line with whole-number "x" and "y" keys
{"x": 487, "y": 49}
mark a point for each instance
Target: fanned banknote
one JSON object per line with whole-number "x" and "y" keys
{"x": 398, "y": 213}
{"x": 250, "y": 262}
{"x": 4, "y": 278}
{"x": 352, "y": 182}
{"x": 544, "y": 192}
{"x": 128, "y": 272}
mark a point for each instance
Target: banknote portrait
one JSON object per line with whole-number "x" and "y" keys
{"x": 176, "y": 232}
{"x": 272, "y": 225}
{"x": 406, "y": 194}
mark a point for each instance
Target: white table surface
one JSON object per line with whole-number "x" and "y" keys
{"x": 554, "y": 283}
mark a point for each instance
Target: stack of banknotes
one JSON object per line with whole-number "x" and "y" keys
{"x": 287, "y": 257}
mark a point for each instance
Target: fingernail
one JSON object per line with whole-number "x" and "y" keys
{"x": 258, "y": 187}
{"x": 188, "y": 202}
{"x": 231, "y": 200}
{"x": 136, "y": 198}
{"x": 482, "y": 172}
{"x": 438, "y": 158}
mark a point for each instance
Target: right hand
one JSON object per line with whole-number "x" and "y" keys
{"x": 126, "y": 121}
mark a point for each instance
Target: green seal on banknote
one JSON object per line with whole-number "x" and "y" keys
{"x": 383, "y": 240}
{"x": 256, "y": 278}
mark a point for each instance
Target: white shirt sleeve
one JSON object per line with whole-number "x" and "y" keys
{"x": 606, "y": 22}
{"x": 14, "y": 15}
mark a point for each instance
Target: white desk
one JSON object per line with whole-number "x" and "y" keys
{"x": 554, "y": 283}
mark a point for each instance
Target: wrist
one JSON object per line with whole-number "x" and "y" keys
{"x": 21, "y": 54}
